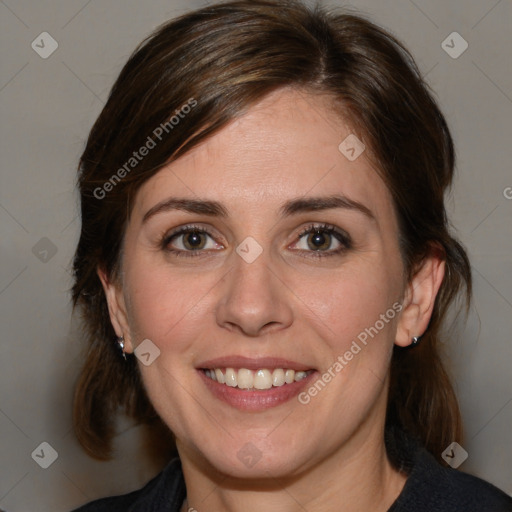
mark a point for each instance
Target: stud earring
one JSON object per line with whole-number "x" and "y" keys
{"x": 120, "y": 342}
{"x": 415, "y": 340}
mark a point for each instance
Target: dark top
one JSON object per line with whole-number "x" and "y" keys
{"x": 429, "y": 488}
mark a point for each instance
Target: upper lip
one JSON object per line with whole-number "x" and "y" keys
{"x": 269, "y": 363}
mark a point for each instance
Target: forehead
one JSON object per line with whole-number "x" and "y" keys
{"x": 286, "y": 146}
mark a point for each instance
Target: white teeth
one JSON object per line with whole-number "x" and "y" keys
{"x": 231, "y": 377}
{"x": 278, "y": 377}
{"x": 299, "y": 376}
{"x": 263, "y": 379}
{"x": 245, "y": 379}
{"x": 289, "y": 376}
{"x": 251, "y": 380}
{"x": 220, "y": 376}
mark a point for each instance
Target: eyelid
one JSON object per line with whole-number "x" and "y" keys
{"x": 341, "y": 236}
{"x": 186, "y": 228}
{"x": 167, "y": 238}
{"x": 329, "y": 228}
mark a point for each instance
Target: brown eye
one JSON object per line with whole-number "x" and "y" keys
{"x": 190, "y": 241}
{"x": 319, "y": 240}
{"x": 324, "y": 240}
{"x": 194, "y": 240}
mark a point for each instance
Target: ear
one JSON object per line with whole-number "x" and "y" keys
{"x": 420, "y": 296}
{"x": 116, "y": 308}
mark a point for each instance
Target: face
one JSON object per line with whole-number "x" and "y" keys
{"x": 264, "y": 257}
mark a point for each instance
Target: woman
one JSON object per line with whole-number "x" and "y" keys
{"x": 265, "y": 265}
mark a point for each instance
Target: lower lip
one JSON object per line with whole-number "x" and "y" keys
{"x": 256, "y": 400}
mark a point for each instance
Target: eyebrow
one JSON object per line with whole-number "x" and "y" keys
{"x": 291, "y": 207}
{"x": 201, "y": 207}
{"x": 313, "y": 204}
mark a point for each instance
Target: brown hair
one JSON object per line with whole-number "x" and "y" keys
{"x": 221, "y": 60}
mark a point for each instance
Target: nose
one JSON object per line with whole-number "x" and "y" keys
{"x": 254, "y": 300}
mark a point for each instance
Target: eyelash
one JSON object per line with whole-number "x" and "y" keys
{"x": 183, "y": 231}
{"x": 342, "y": 238}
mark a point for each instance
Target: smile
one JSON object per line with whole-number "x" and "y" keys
{"x": 252, "y": 380}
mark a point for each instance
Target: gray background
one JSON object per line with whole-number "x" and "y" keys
{"x": 48, "y": 106}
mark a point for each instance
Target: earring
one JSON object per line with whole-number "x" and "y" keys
{"x": 415, "y": 340}
{"x": 120, "y": 342}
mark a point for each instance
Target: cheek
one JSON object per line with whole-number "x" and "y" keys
{"x": 354, "y": 305}
{"x": 165, "y": 306}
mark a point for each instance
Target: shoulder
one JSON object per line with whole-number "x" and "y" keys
{"x": 165, "y": 492}
{"x": 431, "y": 486}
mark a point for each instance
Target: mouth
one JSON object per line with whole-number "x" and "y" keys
{"x": 252, "y": 380}
{"x": 255, "y": 384}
